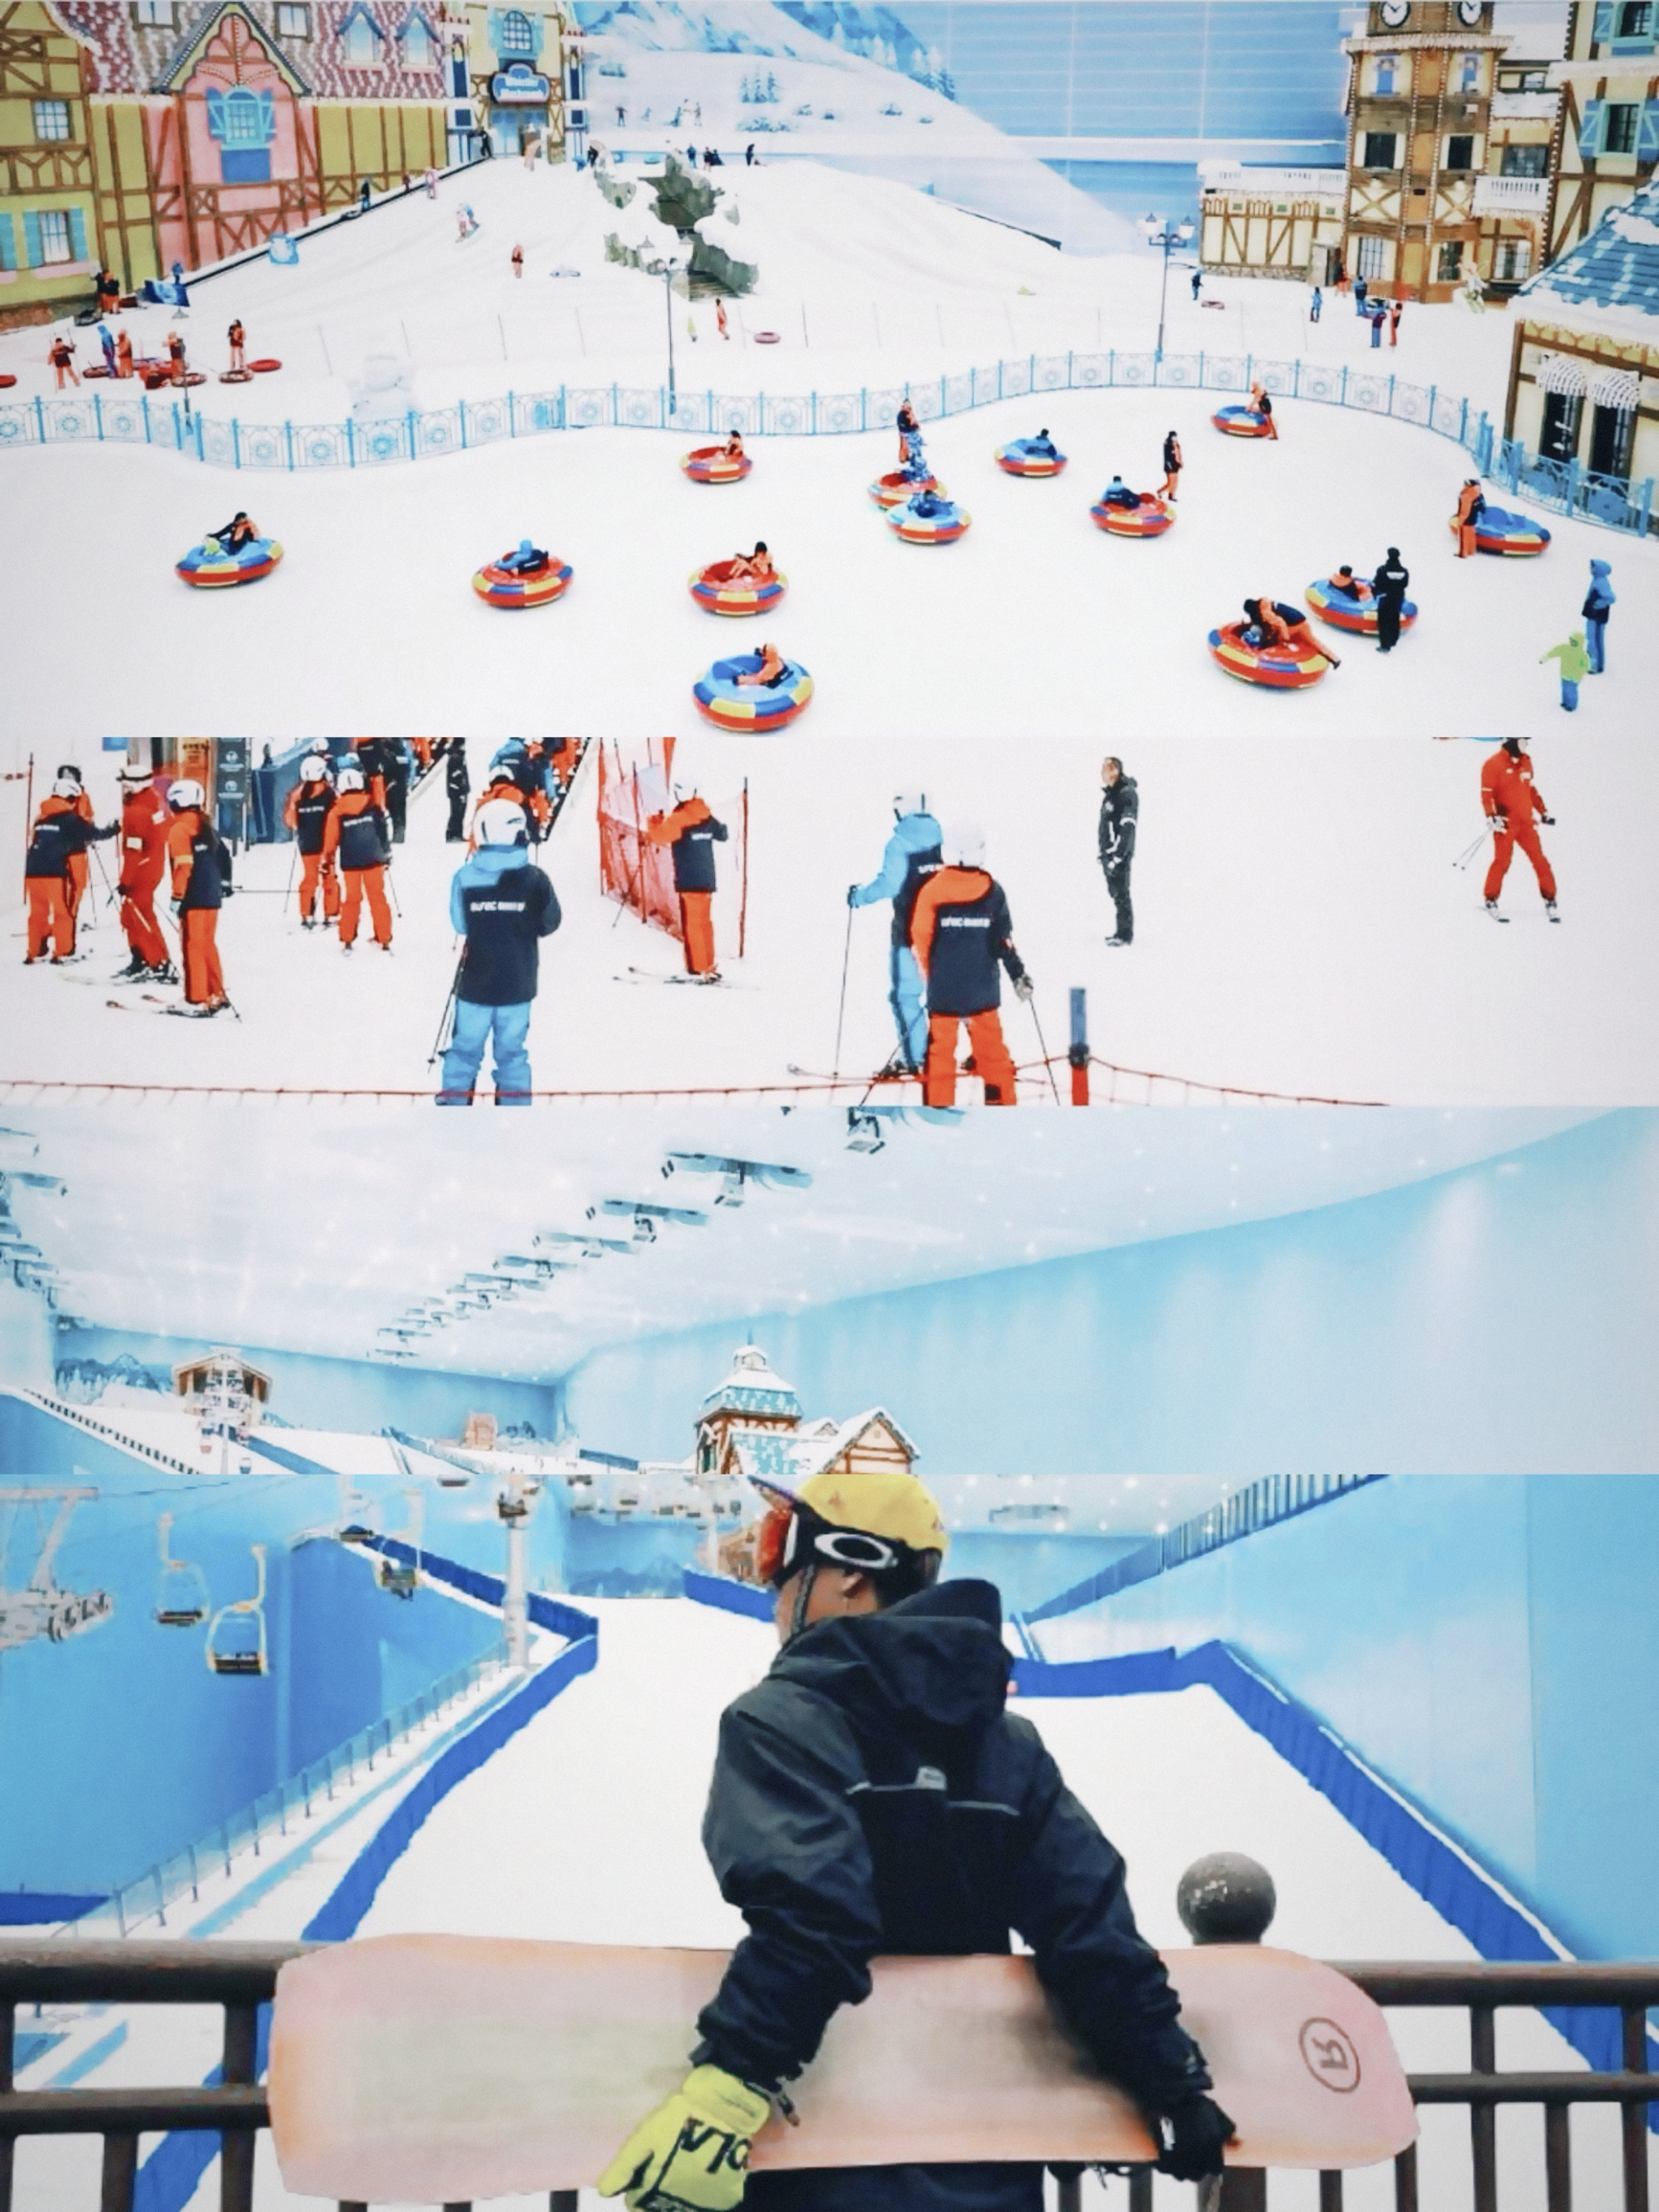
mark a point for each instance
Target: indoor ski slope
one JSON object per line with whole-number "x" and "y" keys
{"x": 584, "y": 1828}
{"x": 1300, "y": 928}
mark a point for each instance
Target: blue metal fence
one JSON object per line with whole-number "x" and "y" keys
{"x": 109, "y": 418}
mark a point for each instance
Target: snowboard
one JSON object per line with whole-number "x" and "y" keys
{"x": 424, "y": 2069}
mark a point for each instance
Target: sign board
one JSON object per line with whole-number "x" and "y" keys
{"x": 519, "y": 86}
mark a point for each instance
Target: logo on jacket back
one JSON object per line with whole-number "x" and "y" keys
{"x": 964, "y": 922}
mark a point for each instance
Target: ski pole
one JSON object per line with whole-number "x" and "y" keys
{"x": 841, "y": 1009}
{"x": 1464, "y": 858}
{"x": 108, "y": 887}
{"x": 1043, "y": 1047}
{"x": 293, "y": 864}
{"x": 393, "y": 888}
{"x": 441, "y": 1041}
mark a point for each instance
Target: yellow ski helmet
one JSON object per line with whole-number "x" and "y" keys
{"x": 865, "y": 1522}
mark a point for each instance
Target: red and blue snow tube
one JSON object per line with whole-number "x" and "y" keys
{"x": 1288, "y": 668}
{"x": 1025, "y": 457}
{"x": 942, "y": 528}
{"x": 896, "y": 486}
{"x": 518, "y": 588}
{"x": 1348, "y": 611}
{"x": 1149, "y": 517}
{"x": 714, "y": 465}
{"x": 1241, "y": 422}
{"x": 717, "y": 591}
{"x": 1499, "y": 531}
{"x": 210, "y": 568}
{"x": 720, "y": 699}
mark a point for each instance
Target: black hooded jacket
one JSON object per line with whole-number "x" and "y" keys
{"x": 872, "y": 1795}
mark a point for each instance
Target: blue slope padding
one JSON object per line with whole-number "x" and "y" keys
{"x": 718, "y": 1590}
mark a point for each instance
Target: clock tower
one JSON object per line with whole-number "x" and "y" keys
{"x": 1419, "y": 103}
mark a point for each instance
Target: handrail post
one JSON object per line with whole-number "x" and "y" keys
{"x": 1483, "y": 2116}
{"x": 120, "y": 2172}
{"x": 1632, "y": 2118}
{"x": 1558, "y": 2158}
{"x": 1406, "y": 2180}
{"x": 8, "y": 2143}
{"x": 238, "y": 2065}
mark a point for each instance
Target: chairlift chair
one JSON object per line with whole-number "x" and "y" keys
{"x": 402, "y": 1577}
{"x": 244, "y": 1651}
{"x": 181, "y": 1590}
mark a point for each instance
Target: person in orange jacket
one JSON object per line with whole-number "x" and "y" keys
{"x": 961, "y": 935}
{"x": 771, "y": 667}
{"x": 1514, "y": 805}
{"x": 692, "y": 833}
{"x": 236, "y": 338}
{"x": 61, "y": 833}
{"x": 144, "y": 826}
{"x": 122, "y": 353}
{"x": 1471, "y": 507}
{"x": 306, "y": 812}
{"x": 201, "y": 883}
{"x": 359, "y": 832}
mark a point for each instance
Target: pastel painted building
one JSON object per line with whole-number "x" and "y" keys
{"x": 48, "y": 210}
{"x": 1609, "y": 132}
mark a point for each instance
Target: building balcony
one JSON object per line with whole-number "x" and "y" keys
{"x": 1511, "y": 196}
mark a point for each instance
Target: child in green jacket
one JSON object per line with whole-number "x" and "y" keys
{"x": 1574, "y": 667}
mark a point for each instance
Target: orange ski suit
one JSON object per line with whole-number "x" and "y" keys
{"x": 1463, "y": 521}
{"x": 992, "y": 1061}
{"x": 317, "y": 870}
{"x": 198, "y": 925}
{"x": 1512, "y": 805}
{"x": 51, "y": 906}
{"x": 696, "y": 903}
{"x": 78, "y": 863}
{"x": 145, "y": 824}
{"x": 360, "y": 882}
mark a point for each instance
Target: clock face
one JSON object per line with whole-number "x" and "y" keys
{"x": 1395, "y": 13}
{"x": 1469, "y": 12}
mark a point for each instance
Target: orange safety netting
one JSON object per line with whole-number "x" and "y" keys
{"x": 635, "y": 874}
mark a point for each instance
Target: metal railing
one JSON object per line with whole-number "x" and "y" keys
{"x": 1568, "y": 487}
{"x": 241, "y": 1976}
{"x": 1259, "y": 1506}
{"x": 148, "y": 1895}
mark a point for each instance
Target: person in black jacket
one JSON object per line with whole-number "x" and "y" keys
{"x": 1120, "y": 814}
{"x": 874, "y": 1795}
{"x": 458, "y": 785}
{"x": 61, "y": 836}
{"x": 1389, "y": 584}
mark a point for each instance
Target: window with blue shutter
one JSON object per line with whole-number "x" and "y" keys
{"x": 32, "y": 252}
{"x": 8, "y": 243}
{"x": 1647, "y": 134}
{"x": 517, "y": 35}
{"x": 1591, "y": 127}
{"x": 78, "y": 234}
{"x": 1634, "y": 27}
{"x": 244, "y": 121}
{"x": 1603, "y": 30}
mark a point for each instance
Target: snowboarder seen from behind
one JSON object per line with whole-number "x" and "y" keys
{"x": 873, "y": 1794}
{"x": 911, "y": 857}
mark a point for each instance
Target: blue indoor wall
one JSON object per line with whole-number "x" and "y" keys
{"x": 118, "y": 1746}
{"x": 1501, "y": 1317}
{"x": 363, "y": 1394}
{"x": 1488, "y": 1642}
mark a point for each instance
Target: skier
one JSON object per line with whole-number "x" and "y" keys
{"x": 145, "y": 824}
{"x": 201, "y": 883}
{"x": 1119, "y": 815}
{"x": 1389, "y": 583}
{"x": 691, "y": 832}
{"x": 1575, "y": 667}
{"x": 358, "y": 831}
{"x": 514, "y": 776}
{"x": 1471, "y": 507}
{"x": 1172, "y": 467}
{"x": 962, "y": 934}
{"x": 1597, "y": 607}
{"x": 60, "y": 835}
{"x": 1511, "y": 802}
{"x": 457, "y": 784}
{"x": 76, "y": 877}
{"x": 237, "y": 339}
{"x": 911, "y": 857}
{"x": 503, "y": 905}
{"x": 306, "y": 813}
{"x": 386, "y": 763}
{"x": 874, "y": 1795}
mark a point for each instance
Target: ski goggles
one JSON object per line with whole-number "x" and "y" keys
{"x": 792, "y": 1535}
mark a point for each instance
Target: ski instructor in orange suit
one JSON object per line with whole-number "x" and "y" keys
{"x": 692, "y": 833}
{"x": 1514, "y": 806}
{"x": 201, "y": 883}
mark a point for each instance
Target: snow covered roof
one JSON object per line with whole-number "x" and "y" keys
{"x": 751, "y": 1387}
{"x": 1612, "y": 276}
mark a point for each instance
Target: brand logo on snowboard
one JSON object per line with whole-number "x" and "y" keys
{"x": 1328, "y": 2055}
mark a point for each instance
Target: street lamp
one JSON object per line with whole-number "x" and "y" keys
{"x": 669, "y": 266}
{"x": 1158, "y": 231}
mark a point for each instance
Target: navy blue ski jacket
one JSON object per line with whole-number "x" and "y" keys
{"x": 504, "y": 907}
{"x": 873, "y": 1794}
{"x": 963, "y": 944}
{"x": 58, "y": 835}
{"x": 1119, "y": 813}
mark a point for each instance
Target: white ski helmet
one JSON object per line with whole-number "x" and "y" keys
{"x": 964, "y": 845}
{"x": 349, "y": 780}
{"x": 909, "y": 803}
{"x": 69, "y": 769}
{"x": 185, "y": 792}
{"x": 66, "y": 787}
{"x": 134, "y": 772}
{"x": 314, "y": 768}
{"x": 498, "y": 821}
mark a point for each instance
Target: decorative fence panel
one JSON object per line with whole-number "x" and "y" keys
{"x": 109, "y": 418}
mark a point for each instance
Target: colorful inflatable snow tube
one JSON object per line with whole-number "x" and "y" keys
{"x": 720, "y": 593}
{"x": 1149, "y": 517}
{"x": 1025, "y": 457}
{"x": 1498, "y": 530}
{"x": 895, "y": 487}
{"x": 1241, "y": 422}
{"x": 211, "y": 568}
{"x": 714, "y": 465}
{"x": 918, "y": 527}
{"x": 1288, "y": 668}
{"x": 733, "y": 706}
{"x": 1347, "y": 611}
{"x": 516, "y": 588}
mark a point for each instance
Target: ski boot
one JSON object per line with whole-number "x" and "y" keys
{"x": 1492, "y": 908}
{"x": 1551, "y": 910}
{"x": 164, "y": 972}
{"x": 134, "y": 971}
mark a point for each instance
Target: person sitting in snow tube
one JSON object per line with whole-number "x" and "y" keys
{"x": 928, "y": 519}
{"x": 725, "y": 463}
{"x": 1128, "y": 513}
{"x": 1273, "y": 645}
{"x": 1242, "y": 422}
{"x": 1499, "y": 529}
{"x": 1118, "y": 494}
{"x": 901, "y": 484}
{"x": 236, "y": 554}
{"x": 1348, "y": 603}
{"x": 754, "y": 691}
{"x": 747, "y": 584}
{"x": 524, "y": 578}
{"x": 1036, "y": 455}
